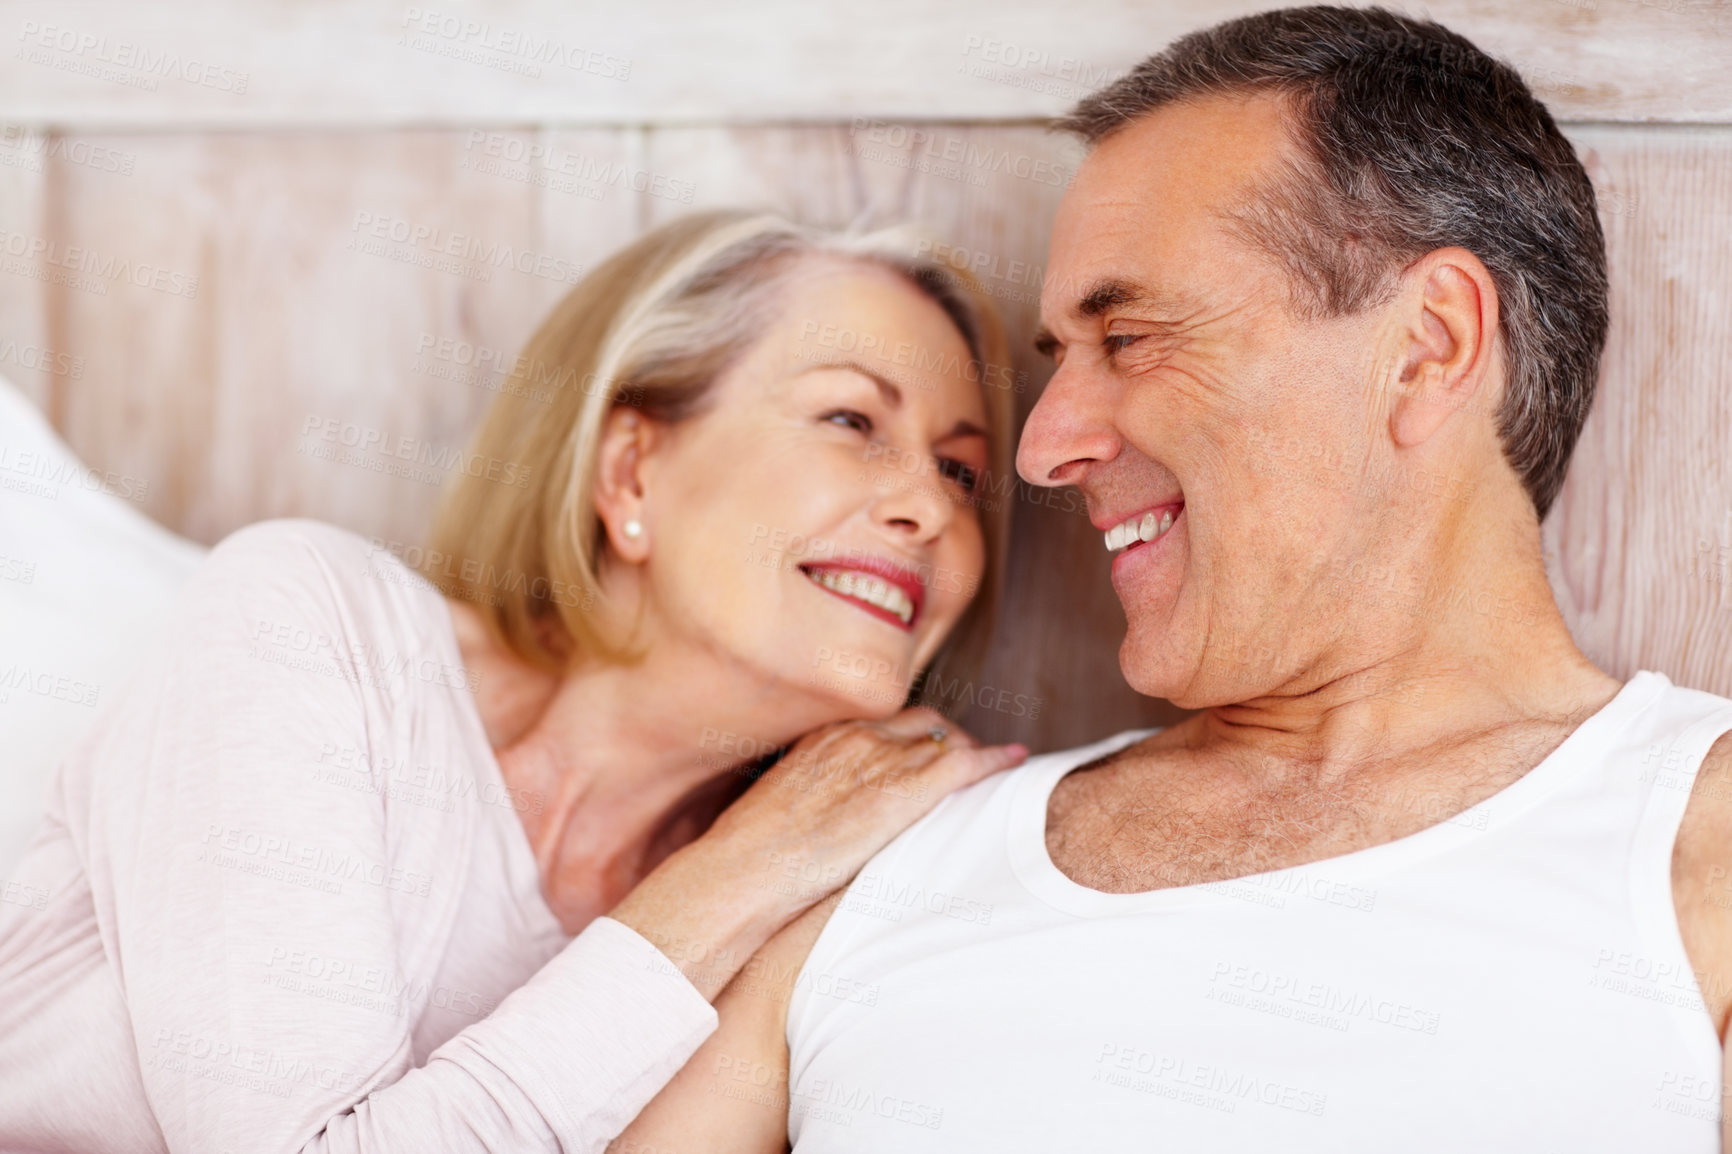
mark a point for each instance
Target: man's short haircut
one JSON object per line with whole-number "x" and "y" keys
{"x": 1412, "y": 139}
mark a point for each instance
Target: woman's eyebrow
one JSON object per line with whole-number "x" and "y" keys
{"x": 891, "y": 391}
{"x": 963, "y": 429}
{"x": 893, "y": 394}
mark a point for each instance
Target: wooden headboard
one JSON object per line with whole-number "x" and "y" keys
{"x": 227, "y": 232}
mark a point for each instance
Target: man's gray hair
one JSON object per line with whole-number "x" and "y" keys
{"x": 1413, "y": 140}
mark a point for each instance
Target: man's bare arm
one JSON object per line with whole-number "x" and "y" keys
{"x": 732, "y": 1096}
{"x": 1701, "y": 886}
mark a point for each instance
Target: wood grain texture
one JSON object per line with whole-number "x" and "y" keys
{"x": 329, "y": 363}
{"x": 170, "y": 65}
{"x": 1640, "y": 542}
{"x": 208, "y": 397}
{"x": 26, "y": 358}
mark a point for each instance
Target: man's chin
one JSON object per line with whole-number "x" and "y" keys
{"x": 1154, "y": 670}
{"x": 1144, "y": 672}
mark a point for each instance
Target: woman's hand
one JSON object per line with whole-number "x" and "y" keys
{"x": 841, "y": 794}
{"x": 801, "y": 832}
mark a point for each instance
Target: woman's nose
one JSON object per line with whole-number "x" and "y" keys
{"x": 915, "y": 506}
{"x": 1071, "y": 425}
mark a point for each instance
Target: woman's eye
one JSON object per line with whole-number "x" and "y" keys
{"x": 857, "y": 421}
{"x": 954, "y": 470}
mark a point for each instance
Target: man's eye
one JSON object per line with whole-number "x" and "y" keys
{"x": 1119, "y": 342}
{"x": 857, "y": 421}
{"x": 954, "y": 470}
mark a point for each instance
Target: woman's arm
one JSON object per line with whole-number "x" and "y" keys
{"x": 276, "y": 935}
{"x": 801, "y": 831}
{"x": 732, "y": 1097}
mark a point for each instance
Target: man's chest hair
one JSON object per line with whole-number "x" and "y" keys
{"x": 1177, "y": 816}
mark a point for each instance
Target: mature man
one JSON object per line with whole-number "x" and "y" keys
{"x": 1327, "y": 299}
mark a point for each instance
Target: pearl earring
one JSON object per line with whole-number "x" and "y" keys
{"x": 633, "y": 528}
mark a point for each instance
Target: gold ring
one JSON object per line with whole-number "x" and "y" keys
{"x": 938, "y": 733}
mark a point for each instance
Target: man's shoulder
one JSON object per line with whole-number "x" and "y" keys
{"x": 1710, "y": 799}
{"x": 1717, "y": 763}
{"x": 1702, "y": 878}
{"x": 944, "y": 855}
{"x": 1709, "y": 811}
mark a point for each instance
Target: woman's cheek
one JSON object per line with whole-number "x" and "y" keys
{"x": 970, "y": 568}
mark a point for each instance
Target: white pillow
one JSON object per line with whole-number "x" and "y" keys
{"x": 86, "y": 580}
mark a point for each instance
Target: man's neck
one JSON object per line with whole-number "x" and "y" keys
{"x": 1359, "y": 749}
{"x": 1476, "y": 644}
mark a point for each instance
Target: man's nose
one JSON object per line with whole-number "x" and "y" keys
{"x": 1070, "y": 426}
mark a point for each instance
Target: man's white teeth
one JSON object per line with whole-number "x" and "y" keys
{"x": 1132, "y": 530}
{"x": 866, "y": 587}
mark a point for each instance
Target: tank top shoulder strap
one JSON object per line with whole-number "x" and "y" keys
{"x": 1663, "y": 754}
{"x": 1665, "y": 750}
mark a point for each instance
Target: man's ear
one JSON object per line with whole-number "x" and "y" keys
{"x": 1444, "y": 350}
{"x": 623, "y": 468}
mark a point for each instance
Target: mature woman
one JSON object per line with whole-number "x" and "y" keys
{"x": 376, "y": 861}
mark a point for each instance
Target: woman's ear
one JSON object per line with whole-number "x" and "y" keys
{"x": 628, "y": 441}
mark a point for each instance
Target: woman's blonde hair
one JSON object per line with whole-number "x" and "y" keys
{"x": 653, "y": 327}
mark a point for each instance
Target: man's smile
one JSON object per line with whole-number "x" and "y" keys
{"x": 1143, "y": 526}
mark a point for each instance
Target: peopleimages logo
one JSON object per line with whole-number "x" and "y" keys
{"x": 40, "y": 359}
{"x": 22, "y": 148}
{"x": 1028, "y": 58}
{"x": 351, "y": 443}
{"x": 930, "y": 363}
{"x": 38, "y": 474}
{"x": 89, "y": 262}
{"x": 508, "y": 49}
{"x": 434, "y": 247}
{"x": 931, "y": 150}
{"x": 1036, "y": 69}
{"x": 24, "y": 679}
{"x": 121, "y": 61}
{"x": 500, "y": 153}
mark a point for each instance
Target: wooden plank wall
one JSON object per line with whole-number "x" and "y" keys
{"x": 259, "y": 302}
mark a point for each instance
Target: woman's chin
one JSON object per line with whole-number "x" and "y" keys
{"x": 862, "y": 698}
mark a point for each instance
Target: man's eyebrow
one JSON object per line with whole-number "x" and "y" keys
{"x": 1108, "y": 294}
{"x": 1113, "y": 292}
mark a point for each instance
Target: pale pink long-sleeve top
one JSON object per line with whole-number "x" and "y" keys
{"x": 283, "y": 900}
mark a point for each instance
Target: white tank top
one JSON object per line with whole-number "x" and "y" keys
{"x": 1509, "y": 979}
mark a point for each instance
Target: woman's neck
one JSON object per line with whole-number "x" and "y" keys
{"x": 618, "y": 765}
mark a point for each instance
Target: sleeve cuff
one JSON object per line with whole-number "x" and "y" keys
{"x": 597, "y": 1033}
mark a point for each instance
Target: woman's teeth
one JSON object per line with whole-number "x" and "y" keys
{"x": 865, "y": 587}
{"x": 1144, "y": 528}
